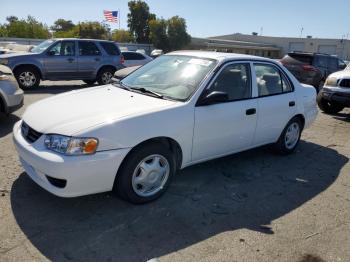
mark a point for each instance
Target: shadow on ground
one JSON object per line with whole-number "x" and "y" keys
{"x": 342, "y": 116}
{"x": 6, "y": 123}
{"x": 246, "y": 190}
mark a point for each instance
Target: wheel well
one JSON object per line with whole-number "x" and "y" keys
{"x": 2, "y": 104}
{"x": 28, "y": 65}
{"x": 302, "y": 119}
{"x": 106, "y": 66}
{"x": 166, "y": 141}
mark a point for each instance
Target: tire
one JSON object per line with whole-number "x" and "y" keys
{"x": 89, "y": 82}
{"x": 105, "y": 75}
{"x": 27, "y": 77}
{"x": 327, "y": 106}
{"x": 284, "y": 145}
{"x": 142, "y": 165}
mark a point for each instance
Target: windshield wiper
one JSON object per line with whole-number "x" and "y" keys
{"x": 121, "y": 85}
{"x": 147, "y": 91}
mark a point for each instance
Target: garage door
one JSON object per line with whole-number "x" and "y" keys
{"x": 327, "y": 49}
{"x": 296, "y": 46}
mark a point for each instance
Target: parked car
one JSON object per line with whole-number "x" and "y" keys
{"x": 11, "y": 96}
{"x": 156, "y": 52}
{"x": 65, "y": 59}
{"x": 122, "y": 73}
{"x": 180, "y": 109}
{"x": 135, "y": 58}
{"x": 312, "y": 68}
{"x": 335, "y": 95}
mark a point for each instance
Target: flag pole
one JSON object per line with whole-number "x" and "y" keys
{"x": 119, "y": 18}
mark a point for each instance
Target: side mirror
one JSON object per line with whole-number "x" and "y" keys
{"x": 51, "y": 53}
{"x": 213, "y": 98}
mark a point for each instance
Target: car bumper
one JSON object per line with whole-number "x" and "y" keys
{"x": 80, "y": 175}
{"x": 341, "y": 97}
{"x": 14, "y": 96}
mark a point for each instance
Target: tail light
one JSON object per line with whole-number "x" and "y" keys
{"x": 309, "y": 68}
{"x": 122, "y": 60}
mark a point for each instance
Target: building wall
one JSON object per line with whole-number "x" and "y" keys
{"x": 337, "y": 47}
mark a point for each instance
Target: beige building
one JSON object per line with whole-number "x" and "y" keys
{"x": 274, "y": 47}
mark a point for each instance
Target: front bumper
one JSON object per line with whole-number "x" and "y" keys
{"x": 83, "y": 175}
{"x": 12, "y": 96}
{"x": 341, "y": 96}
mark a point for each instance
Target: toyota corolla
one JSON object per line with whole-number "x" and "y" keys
{"x": 180, "y": 109}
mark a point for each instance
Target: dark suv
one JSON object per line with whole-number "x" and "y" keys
{"x": 66, "y": 59}
{"x": 312, "y": 68}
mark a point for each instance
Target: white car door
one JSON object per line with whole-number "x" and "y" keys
{"x": 226, "y": 127}
{"x": 276, "y": 102}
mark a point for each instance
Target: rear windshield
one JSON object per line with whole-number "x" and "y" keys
{"x": 110, "y": 48}
{"x": 303, "y": 58}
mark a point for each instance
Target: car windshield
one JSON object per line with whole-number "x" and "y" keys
{"x": 42, "y": 46}
{"x": 172, "y": 76}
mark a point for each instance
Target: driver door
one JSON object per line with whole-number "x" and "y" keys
{"x": 61, "y": 62}
{"x": 226, "y": 127}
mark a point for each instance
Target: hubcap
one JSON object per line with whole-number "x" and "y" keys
{"x": 150, "y": 175}
{"x": 292, "y": 135}
{"x": 27, "y": 79}
{"x": 106, "y": 77}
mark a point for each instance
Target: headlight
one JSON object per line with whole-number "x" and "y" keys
{"x": 71, "y": 145}
{"x": 331, "y": 81}
{"x": 4, "y": 77}
{"x": 4, "y": 61}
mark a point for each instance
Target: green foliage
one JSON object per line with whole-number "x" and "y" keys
{"x": 177, "y": 34}
{"x": 94, "y": 30}
{"x": 138, "y": 19}
{"x": 29, "y": 28}
{"x": 158, "y": 34}
{"x": 122, "y": 36}
{"x": 62, "y": 25}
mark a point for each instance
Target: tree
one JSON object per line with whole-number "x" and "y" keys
{"x": 138, "y": 19}
{"x": 62, "y": 25}
{"x": 29, "y": 28}
{"x": 122, "y": 36}
{"x": 158, "y": 34}
{"x": 177, "y": 34}
{"x": 93, "y": 30}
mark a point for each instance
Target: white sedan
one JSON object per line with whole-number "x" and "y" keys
{"x": 178, "y": 110}
{"x": 135, "y": 58}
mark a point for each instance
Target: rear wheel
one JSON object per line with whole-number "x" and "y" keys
{"x": 105, "y": 75}
{"x": 27, "y": 77}
{"x": 145, "y": 174}
{"x": 290, "y": 137}
{"x": 327, "y": 106}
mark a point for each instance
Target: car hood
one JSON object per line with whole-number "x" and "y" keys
{"x": 16, "y": 54}
{"x": 341, "y": 74}
{"x": 74, "y": 112}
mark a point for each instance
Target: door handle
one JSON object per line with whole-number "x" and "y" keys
{"x": 292, "y": 103}
{"x": 70, "y": 60}
{"x": 250, "y": 111}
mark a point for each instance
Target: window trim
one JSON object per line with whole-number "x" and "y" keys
{"x": 79, "y": 41}
{"x": 215, "y": 76}
{"x": 280, "y": 72}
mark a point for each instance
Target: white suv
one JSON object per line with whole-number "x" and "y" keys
{"x": 335, "y": 94}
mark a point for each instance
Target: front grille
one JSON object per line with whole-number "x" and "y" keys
{"x": 345, "y": 83}
{"x": 29, "y": 133}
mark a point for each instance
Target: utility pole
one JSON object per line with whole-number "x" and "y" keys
{"x": 301, "y": 32}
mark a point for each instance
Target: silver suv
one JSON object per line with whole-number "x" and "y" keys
{"x": 66, "y": 59}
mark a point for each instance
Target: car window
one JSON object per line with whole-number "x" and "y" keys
{"x": 63, "y": 48}
{"x": 333, "y": 64}
{"x": 133, "y": 56}
{"x": 269, "y": 80}
{"x": 234, "y": 80}
{"x": 87, "y": 48}
{"x": 341, "y": 64}
{"x": 110, "y": 48}
{"x": 321, "y": 61}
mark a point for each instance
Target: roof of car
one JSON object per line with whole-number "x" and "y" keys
{"x": 218, "y": 55}
{"x": 82, "y": 39}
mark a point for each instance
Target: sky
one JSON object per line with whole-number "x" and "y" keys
{"x": 204, "y": 18}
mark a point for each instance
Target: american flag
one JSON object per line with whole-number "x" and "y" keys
{"x": 111, "y": 16}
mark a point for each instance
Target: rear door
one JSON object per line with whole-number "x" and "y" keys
{"x": 60, "y": 61}
{"x": 89, "y": 59}
{"x": 276, "y": 102}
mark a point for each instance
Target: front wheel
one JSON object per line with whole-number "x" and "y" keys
{"x": 290, "y": 137}
{"x": 327, "y": 106}
{"x": 105, "y": 75}
{"x": 145, "y": 174}
{"x": 27, "y": 77}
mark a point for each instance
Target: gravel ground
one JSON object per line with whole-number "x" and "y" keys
{"x": 252, "y": 206}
